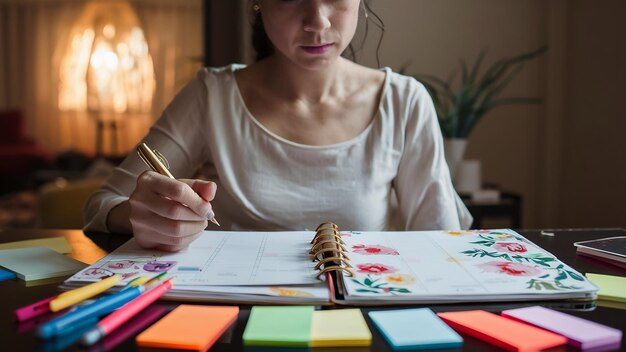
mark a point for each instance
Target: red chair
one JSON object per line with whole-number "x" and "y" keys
{"x": 20, "y": 156}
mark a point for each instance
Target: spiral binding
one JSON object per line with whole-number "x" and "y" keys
{"x": 327, "y": 248}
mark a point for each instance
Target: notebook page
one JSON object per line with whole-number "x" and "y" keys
{"x": 218, "y": 258}
{"x": 455, "y": 265}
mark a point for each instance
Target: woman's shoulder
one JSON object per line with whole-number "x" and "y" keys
{"x": 404, "y": 84}
{"x": 216, "y": 73}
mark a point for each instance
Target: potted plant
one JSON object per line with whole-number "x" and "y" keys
{"x": 460, "y": 106}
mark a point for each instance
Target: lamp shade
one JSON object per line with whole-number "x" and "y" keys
{"x": 106, "y": 67}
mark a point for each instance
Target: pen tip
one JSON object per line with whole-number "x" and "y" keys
{"x": 92, "y": 336}
{"x": 214, "y": 220}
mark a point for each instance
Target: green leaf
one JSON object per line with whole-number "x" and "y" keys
{"x": 575, "y": 276}
{"x": 364, "y": 290}
{"x": 542, "y": 261}
{"x": 460, "y": 109}
{"x": 477, "y": 64}
{"x": 357, "y": 282}
{"x": 548, "y": 286}
{"x": 561, "y": 276}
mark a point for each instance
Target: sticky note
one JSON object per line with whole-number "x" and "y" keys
{"x": 286, "y": 326}
{"x": 37, "y": 263}
{"x": 612, "y": 288}
{"x": 502, "y": 332}
{"x": 189, "y": 327}
{"x": 339, "y": 327}
{"x": 414, "y": 329}
{"x": 57, "y": 244}
{"x": 610, "y": 304}
{"x": 580, "y": 332}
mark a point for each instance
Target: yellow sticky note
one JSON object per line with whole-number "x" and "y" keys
{"x": 612, "y": 288}
{"x": 57, "y": 244}
{"x": 339, "y": 327}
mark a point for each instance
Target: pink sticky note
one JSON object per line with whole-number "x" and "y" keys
{"x": 580, "y": 332}
{"x": 505, "y": 333}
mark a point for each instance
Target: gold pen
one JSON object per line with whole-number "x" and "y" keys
{"x": 157, "y": 162}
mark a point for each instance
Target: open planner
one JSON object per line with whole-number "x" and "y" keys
{"x": 330, "y": 266}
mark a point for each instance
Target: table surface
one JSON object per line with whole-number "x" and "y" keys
{"x": 16, "y": 293}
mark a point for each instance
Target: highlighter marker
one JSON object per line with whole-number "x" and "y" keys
{"x": 102, "y": 306}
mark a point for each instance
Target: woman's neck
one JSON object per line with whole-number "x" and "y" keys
{"x": 294, "y": 83}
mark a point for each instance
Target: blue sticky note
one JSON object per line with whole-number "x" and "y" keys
{"x": 414, "y": 329}
{"x": 6, "y": 275}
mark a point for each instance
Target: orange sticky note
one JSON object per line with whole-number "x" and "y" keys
{"x": 189, "y": 327}
{"x": 502, "y": 332}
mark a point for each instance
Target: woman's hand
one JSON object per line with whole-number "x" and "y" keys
{"x": 169, "y": 214}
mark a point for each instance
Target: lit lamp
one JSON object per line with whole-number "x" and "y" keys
{"x": 107, "y": 69}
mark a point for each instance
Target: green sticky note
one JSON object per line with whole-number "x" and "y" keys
{"x": 283, "y": 326}
{"x": 612, "y": 288}
{"x": 37, "y": 263}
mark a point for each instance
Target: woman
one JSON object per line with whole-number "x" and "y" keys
{"x": 300, "y": 137}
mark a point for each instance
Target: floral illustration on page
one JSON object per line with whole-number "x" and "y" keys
{"x": 377, "y": 285}
{"x": 516, "y": 261}
{"x": 375, "y": 268}
{"x": 373, "y": 250}
{"x": 509, "y": 268}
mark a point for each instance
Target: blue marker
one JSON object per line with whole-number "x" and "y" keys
{"x": 101, "y": 307}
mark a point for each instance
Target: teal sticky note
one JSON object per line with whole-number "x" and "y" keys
{"x": 282, "y": 326}
{"x": 35, "y": 263}
{"x": 414, "y": 329}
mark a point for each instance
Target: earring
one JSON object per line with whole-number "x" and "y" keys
{"x": 256, "y": 7}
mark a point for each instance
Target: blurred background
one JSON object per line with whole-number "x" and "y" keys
{"x": 81, "y": 82}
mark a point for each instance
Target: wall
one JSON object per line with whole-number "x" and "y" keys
{"x": 567, "y": 156}
{"x": 593, "y": 179}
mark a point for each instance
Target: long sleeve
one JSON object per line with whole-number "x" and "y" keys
{"x": 426, "y": 197}
{"x": 175, "y": 135}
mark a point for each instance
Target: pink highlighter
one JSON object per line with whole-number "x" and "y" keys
{"x": 33, "y": 310}
{"x": 125, "y": 313}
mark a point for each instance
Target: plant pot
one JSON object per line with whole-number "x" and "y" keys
{"x": 454, "y": 149}
{"x": 468, "y": 177}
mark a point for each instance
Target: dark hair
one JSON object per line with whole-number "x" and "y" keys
{"x": 264, "y": 48}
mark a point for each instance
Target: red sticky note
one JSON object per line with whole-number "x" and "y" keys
{"x": 189, "y": 327}
{"x": 502, "y": 332}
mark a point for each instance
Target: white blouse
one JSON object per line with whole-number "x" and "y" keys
{"x": 266, "y": 182}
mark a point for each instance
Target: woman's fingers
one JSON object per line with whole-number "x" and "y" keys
{"x": 178, "y": 247}
{"x": 181, "y": 191}
{"x": 169, "y": 214}
{"x": 166, "y": 207}
{"x": 203, "y": 193}
{"x": 167, "y": 233}
{"x": 193, "y": 194}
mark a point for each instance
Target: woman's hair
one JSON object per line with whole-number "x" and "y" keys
{"x": 264, "y": 48}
